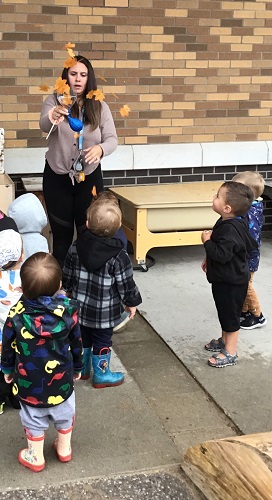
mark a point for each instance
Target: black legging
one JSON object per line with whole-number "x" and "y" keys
{"x": 66, "y": 205}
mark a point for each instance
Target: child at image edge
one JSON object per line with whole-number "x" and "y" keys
{"x": 42, "y": 355}
{"x": 252, "y": 316}
{"x": 98, "y": 272}
{"x": 228, "y": 247}
{"x": 11, "y": 257}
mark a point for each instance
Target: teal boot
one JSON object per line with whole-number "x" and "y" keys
{"x": 102, "y": 376}
{"x": 85, "y": 374}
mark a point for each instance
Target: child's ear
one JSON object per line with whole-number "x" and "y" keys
{"x": 227, "y": 209}
{"x": 22, "y": 257}
{"x": 87, "y": 224}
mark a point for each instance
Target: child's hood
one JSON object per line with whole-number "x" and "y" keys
{"x": 47, "y": 316}
{"x": 241, "y": 226}
{"x": 28, "y": 213}
{"x": 94, "y": 251}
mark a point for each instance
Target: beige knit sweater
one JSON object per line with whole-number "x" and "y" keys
{"x": 62, "y": 145}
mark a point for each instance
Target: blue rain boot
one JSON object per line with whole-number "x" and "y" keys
{"x": 85, "y": 374}
{"x": 102, "y": 376}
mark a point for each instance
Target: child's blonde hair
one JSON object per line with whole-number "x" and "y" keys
{"x": 104, "y": 217}
{"x": 254, "y": 180}
{"x": 40, "y": 275}
{"x": 106, "y": 196}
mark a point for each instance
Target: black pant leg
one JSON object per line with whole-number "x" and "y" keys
{"x": 5, "y": 389}
{"x": 87, "y": 336}
{"x": 83, "y": 195}
{"x": 101, "y": 339}
{"x": 58, "y": 196}
{"x": 97, "y": 338}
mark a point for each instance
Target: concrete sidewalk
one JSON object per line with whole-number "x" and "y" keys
{"x": 128, "y": 441}
{"x": 178, "y": 303}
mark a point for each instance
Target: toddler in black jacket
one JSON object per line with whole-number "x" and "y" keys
{"x": 228, "y": 247}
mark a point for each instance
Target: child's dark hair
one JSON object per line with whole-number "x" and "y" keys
{"x": 238, "y": 196}
{"x": 40, "y": 275}
{"x": 254, "y": 180}
{"x": 104, "y": 218}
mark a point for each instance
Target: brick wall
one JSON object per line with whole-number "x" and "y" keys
{"x": 190, "y": 70}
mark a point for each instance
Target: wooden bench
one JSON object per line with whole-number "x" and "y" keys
{"x": 166, "y": 215}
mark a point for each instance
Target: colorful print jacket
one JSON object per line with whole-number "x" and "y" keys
{"x": 42, "y": 345}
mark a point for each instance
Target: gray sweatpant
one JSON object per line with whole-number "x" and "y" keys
{"x": 36, "y": 420}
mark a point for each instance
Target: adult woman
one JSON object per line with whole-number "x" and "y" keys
{"x": 67, "y": 199}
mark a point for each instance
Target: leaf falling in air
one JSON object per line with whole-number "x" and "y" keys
{"x": 66, "y": 100}
{"x": 70, "y": 45}
{"x": 44, "y": 88}
{"x": 76, "y": 135}
{"x": 71, "y": 52}
{"x": 70, "y": 62}
{"x": 124, "y": 111}
{"x": 94, "y": 193}
{"x": 97, "y": 94}
{"x": 61, "y": 86}
{"x": 114, "y": 95}
{"x": 102, "y": 78}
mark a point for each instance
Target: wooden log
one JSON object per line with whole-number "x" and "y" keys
{"x": 237, "y": 468}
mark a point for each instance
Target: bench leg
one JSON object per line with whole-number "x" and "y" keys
{"x": 143, "y": 236}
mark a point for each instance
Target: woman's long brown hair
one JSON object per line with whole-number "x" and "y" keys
{"x": 92, "y": 108}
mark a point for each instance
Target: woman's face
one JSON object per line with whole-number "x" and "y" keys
{"x": 77, "y": 76}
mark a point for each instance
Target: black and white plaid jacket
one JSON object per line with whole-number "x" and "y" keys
{"x": 98, "y": 272}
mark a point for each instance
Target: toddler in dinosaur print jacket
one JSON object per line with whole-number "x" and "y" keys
{"x": 42, "y": 355}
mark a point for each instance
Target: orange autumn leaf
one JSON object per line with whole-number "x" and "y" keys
{"x": 44, "y": 88}
{"x": 71, "y": 52}
{"x": 66, "y": 100}
{"x": 61, "y": 86}
{"x": 70, "y": 45}
{"x": 94, "y": 193}
{"x": 124, "y": 111}
{"x": 77, "y": 135}
{"x": 97, "y": 94}
{"x": 70, "y": 62}
{"x": 102, "y": 78}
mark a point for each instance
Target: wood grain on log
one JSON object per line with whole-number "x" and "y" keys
{"x": 237, "y": 468}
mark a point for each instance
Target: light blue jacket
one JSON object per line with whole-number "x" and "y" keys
{"x": 30, "y": 217}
